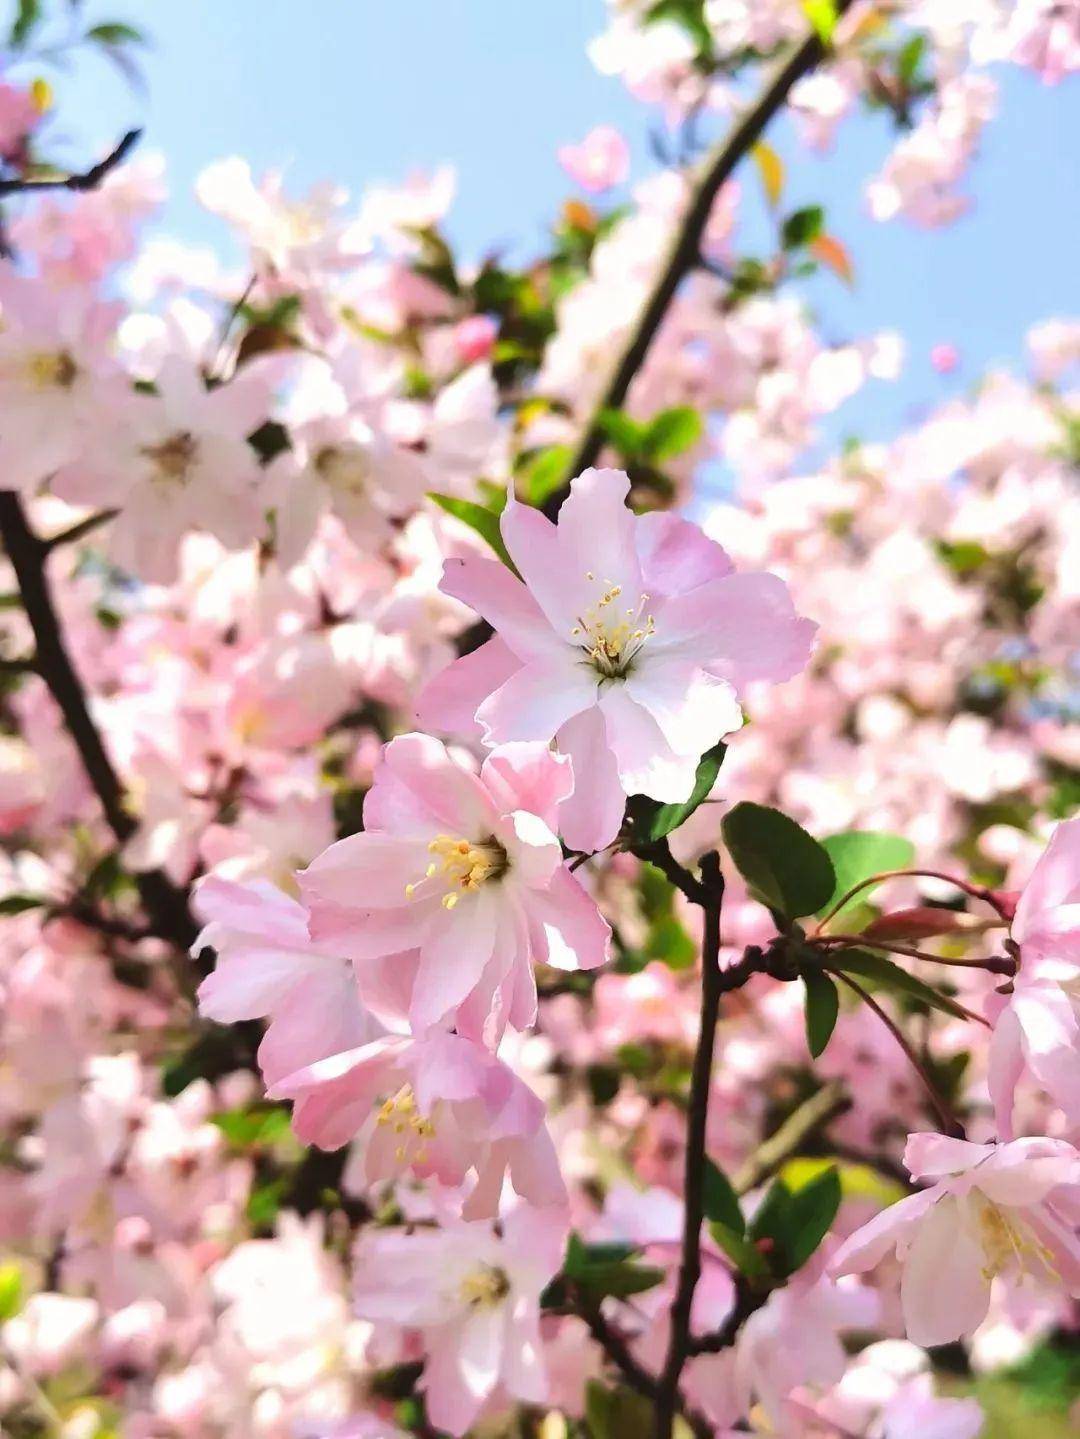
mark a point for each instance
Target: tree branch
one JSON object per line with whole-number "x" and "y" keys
{"x": 714, "y": 982}
{"x": 685, "y": 250}
{"x": 811, "y": 1115}
{"x": 86, "y": 180}
{"x": 165, "y": 903}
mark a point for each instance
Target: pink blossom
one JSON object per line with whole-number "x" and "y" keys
{"x": 268, "y": 967}
{"x": 1037, "y": 1029}
{"x": 175, "y": 461}
{"x": 993, "y": 1210}
{"x": 56, "y": 378}
{"x": 474, "y": 1297}
{"x": 452, "y": 1107}
{"x": 19, "y": 114}
{"x": 462, "y": 872}
{"x": 625, "y": 641}
{"x": 944, "y": 358}
{"x": 601, "y": 160}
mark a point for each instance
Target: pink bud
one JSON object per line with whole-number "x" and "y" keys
{"x": 474, "y": 338}
{"x": 944, "y": 358}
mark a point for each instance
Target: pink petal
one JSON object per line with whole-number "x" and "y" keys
{"x": 943, "y": 1291}
{"x": 448, "y": 703}
{"x": 494, "y": 592}
{"x": 568, "y": 930}
{"x": 676, "y": 555}
{"x": 528, "y": 776}
{"x": 365, "y": 871}
{"x": 694, "y": 710}
{"x": 590, "y": 819}
{"x": 647, "y": 764}
{"x": 537, "y": 701}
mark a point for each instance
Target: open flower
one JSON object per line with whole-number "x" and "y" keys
{"x": 464, "y": 874}
{"x": 993, "y": 1211}
{"x": 475, "y": 1298}
{"x": 625, "y": 641}
{"x": 439, "y": 1106}
{"x": 268, "y": 966}
{"x": 1037, "y": 1031}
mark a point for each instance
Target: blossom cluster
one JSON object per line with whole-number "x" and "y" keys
{"x": 383, "y": 801}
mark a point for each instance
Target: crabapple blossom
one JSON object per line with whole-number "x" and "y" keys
{"x": 600, "y": 161}
{"x": 461, "y": 877}
{"x": 993, "y": 1210}
{"x": 474, "y": 1297}
{"x": 452, "y": 1107}
{"x": 625, "y": 640}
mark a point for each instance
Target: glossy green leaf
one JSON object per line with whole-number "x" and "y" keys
{"x": 785, "y": 868}
{"x": 858, "y": 854}
{"x": 672, "y": 432}
{"x": 822, "y": 1007}
{"x": 802, "y": 226}
{"x": 653, "y": 821}
{"x": 812, "y": 1211}
{"x": 862, "y": 964}
{"x": 721, "y": 1201}
{"x": 479, "y": 518}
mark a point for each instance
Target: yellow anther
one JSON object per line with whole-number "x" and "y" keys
{"x": 485, "y": 1287}
{"x": 449, "y": 900}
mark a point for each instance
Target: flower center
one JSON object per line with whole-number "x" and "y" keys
{"x": 610, "y": 635}
{"x": 461, "y": 865}
{"x": 50, "y": 369}
{"x": 173, "y": 458}
{"x": 344, "y": 468}
{"x": 401, "y": 1114}
{"x": 485, "y": 1287}
{"x": 1007, "y": 1243}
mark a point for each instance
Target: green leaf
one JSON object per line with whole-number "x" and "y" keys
{"x": 608, "y": 1269}
{"x": 616, "y": 1413}
{"x": 822, "y": 1007}
{"x": 11, "y": 1291}
{"x": 543, "y": 472}
{"x": 258, "y": 1126}
{"x": 802, "y": 226}
{"x": 484, "y": 521}
{"x": 672, "y": 432}
{"x": 856, "y": 855}
{"x": 624, "y": 432}
{"x": 909, "y": 58}
{"x": 823, "y": 16}
{"x": 812, "y": 1211}
{"x": 669, "y": 942}
{"x": 742, "y": 1253}
{"x": 882, "y": 971}
{"x": 653, "y": 821}
{"x": 20, "y": 903}
{"x": 785, "y": 868}
{"x": 721, "y": 1201}
{"x": 27, "y": 18}
{"x": 115, "y": 32}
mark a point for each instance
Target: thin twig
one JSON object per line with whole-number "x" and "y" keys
{"x": 685, "y": 251}
{"x": 950, "y": 1123}
{"x": 79, "y": 530}
{"x": 86, "y": 180}
{"x": 977, "y": 891}
{"x": 813, "y": 1114}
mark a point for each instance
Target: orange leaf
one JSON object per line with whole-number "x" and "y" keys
{"x": 771, "y": 169}
{"x": 831, "y": 252}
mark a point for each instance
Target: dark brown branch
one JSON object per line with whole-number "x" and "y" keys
{"x": 86, "y": 180}
{"x": 79, "y": 530}
{"x": 714, "y": 982}
{"x": 165, "y": 904}
{"x": 685, "y": 252}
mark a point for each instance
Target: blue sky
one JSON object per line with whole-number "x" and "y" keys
{"x": 366, "y": 90}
